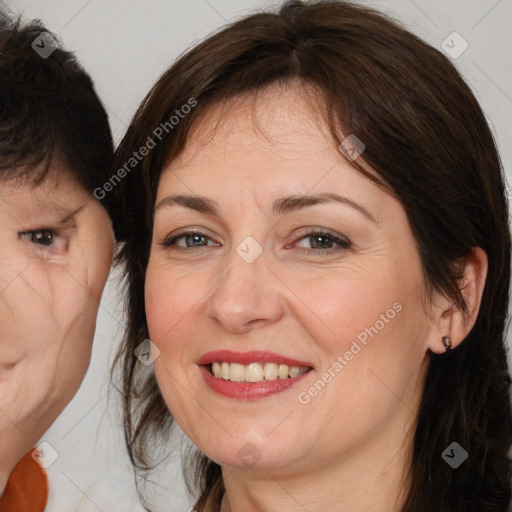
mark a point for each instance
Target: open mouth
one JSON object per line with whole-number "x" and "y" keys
{"x": 251, "y": 375}
{"x": 255, "y": 372}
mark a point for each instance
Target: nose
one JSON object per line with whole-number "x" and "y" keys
{"x": 246, "y": 297}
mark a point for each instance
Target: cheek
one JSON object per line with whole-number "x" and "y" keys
{"x": 12, "y": 263}
{"x": 174, "y": 304}
{"x": 374, "y": 350}
{"x": 169, "y": 316}
{"x": 166, "y": 307}
{"x": 342, "y": 309}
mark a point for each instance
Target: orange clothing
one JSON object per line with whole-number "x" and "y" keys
{"x": 27, "y": 487}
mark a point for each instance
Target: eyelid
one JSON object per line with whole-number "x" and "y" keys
{"x": 188, "y": 230}
{"x": 170, "y": 240}
{"x": 310, "y": 230}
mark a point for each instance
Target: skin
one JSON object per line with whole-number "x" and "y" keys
{"x": 347, "y": 448}
{"x": 49, "y": 297}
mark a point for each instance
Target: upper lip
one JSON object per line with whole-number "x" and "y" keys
{"x": 255, "y": 356}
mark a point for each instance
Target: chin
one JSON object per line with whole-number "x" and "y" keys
{"x": 258, "y": 455}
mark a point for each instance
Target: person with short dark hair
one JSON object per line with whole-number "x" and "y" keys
{"x": 56, "y": 245}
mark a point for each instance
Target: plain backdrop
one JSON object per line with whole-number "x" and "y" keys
{"x": 125, "y": 45}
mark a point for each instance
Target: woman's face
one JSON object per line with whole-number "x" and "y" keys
{"x": 296, "y": 280}
{"x": 55, "y": 254}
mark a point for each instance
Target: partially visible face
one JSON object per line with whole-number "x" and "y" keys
{"x": 291, "y": 331}
{"x": 56, "y": 247}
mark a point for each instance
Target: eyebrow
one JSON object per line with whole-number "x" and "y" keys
{"x": 59, "y": 210}
{"x": 71, "y": 214}
{"x": 281, "y": 206}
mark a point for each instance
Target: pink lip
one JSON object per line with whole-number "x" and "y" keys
{"x": 257, "y": 356}
{"x": 248, "y": 390}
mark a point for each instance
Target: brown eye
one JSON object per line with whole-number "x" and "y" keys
{"x": 47, "y": 240}
{"x": 318, "y": 240}
{"x": 44, "y": 237}
{"x": 321, "y": 241}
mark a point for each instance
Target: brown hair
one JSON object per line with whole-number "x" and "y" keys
{"x": 428, "y": 142}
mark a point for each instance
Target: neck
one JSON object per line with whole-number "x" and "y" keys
{"x": 375, "y": 478}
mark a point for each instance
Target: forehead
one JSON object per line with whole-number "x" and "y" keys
{"x": 282, "y": 120}
{"x": 273, "y": 142}
{"x": 260, "y": 148}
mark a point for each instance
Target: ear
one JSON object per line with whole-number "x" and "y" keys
{"x": 448, "y": 319}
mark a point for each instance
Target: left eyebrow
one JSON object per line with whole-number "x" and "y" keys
{"x": 281, "y": 206}
{"x": 70, "y": 215}
{"x": 291, "y": 203}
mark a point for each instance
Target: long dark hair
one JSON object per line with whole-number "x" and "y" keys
{"x": 427, "y": 141}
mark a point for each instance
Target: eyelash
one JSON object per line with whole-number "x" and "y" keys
{"x": 343, "y": 243}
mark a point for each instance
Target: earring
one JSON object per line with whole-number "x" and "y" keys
{"x": 447, "y": 343}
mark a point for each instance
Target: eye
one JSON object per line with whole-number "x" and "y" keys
{"x": 322, "y": 241}
{"x": 192, "y": 240}
{"x": 45, "y": 239}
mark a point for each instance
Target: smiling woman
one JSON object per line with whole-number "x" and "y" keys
{"x": 330, "y": 223}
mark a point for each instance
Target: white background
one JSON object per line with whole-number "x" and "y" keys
{"x": 125, "y": 45}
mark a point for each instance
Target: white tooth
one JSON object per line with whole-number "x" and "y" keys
{"x": 303, "y": 370}
{"x": 283, "y": 371}
{"x": 237, "y": 372}
{"x": 270, "y": 371}
{"x": 254, "y": 372}
{"x": 216, "y": 369}
{"x": 224, "y": 371}
{"x": 293, "y": 372}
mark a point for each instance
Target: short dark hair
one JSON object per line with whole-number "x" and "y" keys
{"x": 429, "y": 144}
{"x": 49, "y": 110}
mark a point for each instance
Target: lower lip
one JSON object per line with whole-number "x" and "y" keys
{"x": 249, "y": 390}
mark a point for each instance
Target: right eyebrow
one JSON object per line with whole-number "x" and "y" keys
{"x": 200, "y": 204}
